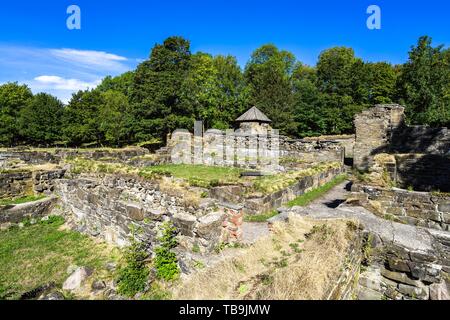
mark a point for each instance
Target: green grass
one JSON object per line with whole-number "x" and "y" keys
{"x": 197, "y": 175}
{"x": 307, "y": 198}
{"x": 274, "y": 183}
{"x": 5, "y": 202}
{"x": 41, "y": 253}
{"x": 260, "y": 217}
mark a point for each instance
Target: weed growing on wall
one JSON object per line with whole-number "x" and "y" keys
{"x": 166, "y": 263}
{"x": 133, "y": 276}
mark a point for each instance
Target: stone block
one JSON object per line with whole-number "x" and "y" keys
{"x": 185, "y": 223}
{"x": 399, "y": 277}
{"x": 396, "y": 264}
{"x": 426, "y": 272}
{"x": 421, "y": 292}
{"x": 444, "y": 207}
{"x": 134, "y": 212}
{"x": 369, "y": 294}
{"x": 210, "y": 226}
{"x": 440, "y": 291}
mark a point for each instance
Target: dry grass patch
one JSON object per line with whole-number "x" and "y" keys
{"x": 298, "y": 261}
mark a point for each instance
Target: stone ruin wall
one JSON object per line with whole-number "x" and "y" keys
{"x": 260, "y": 204}
{"x": 422, "y": 154}
{"x": 19, "y": 184}
{"x": 397, "y": 272}
{"x": 112, "y": 206}
{"x": 234, "y": 149}
{"x": 37, "y": 156}
{"x": 421, "y": 209}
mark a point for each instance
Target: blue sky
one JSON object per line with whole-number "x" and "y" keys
{"x": 36, "y": 47}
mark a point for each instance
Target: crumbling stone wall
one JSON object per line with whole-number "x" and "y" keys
{"x": 424, "y": 172}
{"x": 261, "y": 203}
{"x": 399, "y": 273}
{"x": 422, "y": 153}
{"x": 373, "y": 132}
{"x": 19, "y": 212}
{"x": 25, "y": 183}
{"x": 15, "y": 185}
{"x": 113, "y": 207}
{"x": 422, "y": 209}
{"x": 37, "y": 157}
{"x": 256, "y": 151}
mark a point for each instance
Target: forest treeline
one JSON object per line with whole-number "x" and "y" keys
{"x": 175, "y": 87}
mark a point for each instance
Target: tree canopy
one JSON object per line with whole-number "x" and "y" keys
{"x": 174, "y": 87}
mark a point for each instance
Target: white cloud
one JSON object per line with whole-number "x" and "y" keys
{"x": 57, "y": 83}
{"x": 91, "y": 59}
{"x": 60, "y": 72}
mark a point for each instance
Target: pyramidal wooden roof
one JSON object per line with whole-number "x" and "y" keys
{"x": 253, "y": 115}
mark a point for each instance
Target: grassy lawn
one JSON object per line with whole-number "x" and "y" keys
{"x": 307, "y": 198}
{"x": 41, "y": 253}
{"x": 197, "y": 175}
{"x": 5, "y": 202}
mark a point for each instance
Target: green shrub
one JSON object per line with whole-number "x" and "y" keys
{"x": 132, "y": 277}
{"x": 166, "y": 262}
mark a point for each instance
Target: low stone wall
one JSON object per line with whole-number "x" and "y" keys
{"x": 398, "y": 273}
{"x": 25, "y": 183}
{"x": 245, "y": 150}
{"x": 18, "y": 213}
{"x": 44, "y": 181}
{"x": 15, "y": 184}
{"x": 37, "y": 156}
{"x": 415, "y": 208}
{"x": 112, "y": 206}
{"x": 265, "y": 203}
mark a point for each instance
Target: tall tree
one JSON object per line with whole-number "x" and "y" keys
{"x": 41, "y": 120}
{"x": 13, "y": 98}
{"x": 234, "y": 93}
{"x": 81, "y": 125}
{"x": 122, "y": 83}
{"x": 268, "y": 74}
{"x": 308, "y": 113}
{"x": 424, "y": 84}
{"x": 156, "y": 92}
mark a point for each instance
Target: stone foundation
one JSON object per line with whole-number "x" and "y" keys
{"x": 15, "y": 185}
{"x": 398, "y": 273}
{"x": 18, "y": 213}
{"x": 114, "y": 207}
{"x": 265, "y": 203}
{"x": 415, "y": 208}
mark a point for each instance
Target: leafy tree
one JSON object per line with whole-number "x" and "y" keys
{"x": 156, "y": 93}
{"x": 81, "y": 125}
{"x": 115, "y": 118}
{"x": 13, "y": 98}
{"x": 335, "y": 71}
{"x": 40, "y": 121}
{"x": 234, "y": 93}
{"x": 308, "y": 113}
{"x": 424, "y": 84}
{"x": 268, "y": 75}
{"x": 122, "y": 83}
